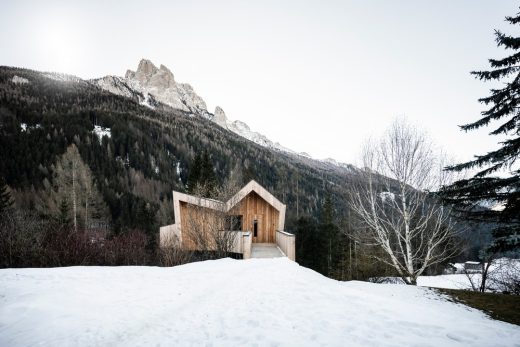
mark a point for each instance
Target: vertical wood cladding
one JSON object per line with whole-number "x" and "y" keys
{"x": 197, "y": 221}
{"x": 252, "y": 208}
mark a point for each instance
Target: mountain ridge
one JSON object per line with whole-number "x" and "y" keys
{"x": 158, "y": 84}
{"x": 137, "y": 153}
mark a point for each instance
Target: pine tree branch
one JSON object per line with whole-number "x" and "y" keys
{"x": 508, "y": 42}
{"x": 507, "y": 61}
{"x": 496, "y": 74}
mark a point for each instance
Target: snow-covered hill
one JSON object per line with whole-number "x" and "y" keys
{"x": 263, "y": 302}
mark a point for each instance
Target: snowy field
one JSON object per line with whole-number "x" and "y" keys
{"x": 262, "y": 302}
{"x": 499, "y": 270}
{"x": 456, "y": 281}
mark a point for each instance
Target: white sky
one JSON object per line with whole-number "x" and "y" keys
{"x": 316, "y": 76}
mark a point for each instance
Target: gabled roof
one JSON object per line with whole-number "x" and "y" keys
{"x": 252, "y": 186}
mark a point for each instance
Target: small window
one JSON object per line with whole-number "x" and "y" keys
{"x": 234, "y": 223}
{"x": 255, "y": 228}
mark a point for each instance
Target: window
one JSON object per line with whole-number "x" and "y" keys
{"x": 234, "y": 222}
{"x": 255, "y": 228}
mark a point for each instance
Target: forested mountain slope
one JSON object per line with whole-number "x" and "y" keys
{"x": 134, "y": 155}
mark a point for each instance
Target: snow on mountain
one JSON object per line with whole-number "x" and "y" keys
{"x": 149, "y": 82}
{"x": 99, "y": 131}
{"x": 242, "y": 129}
{"x": 160, "y": 82}
{"x": 115, "y": 85}
{"x": 19, "y": 80}
{"x": 62, "y": 77}
{"x": 120, "y": 86}
{"x": 262, "y": 302}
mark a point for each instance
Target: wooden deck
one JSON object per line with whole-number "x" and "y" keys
{"x": 265, "y": 250}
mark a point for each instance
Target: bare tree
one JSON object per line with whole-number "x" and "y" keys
{"x": 505, "y": 276}
{"x": 496, "y": 275}
{"x": 210, "y": 230}
{"x": 73, "y": 183}
{"x": 478, "y": 279}
{"x": 21, "y": 238}
{"x": 174, "y": 254}
{"x": 392, "y": 196}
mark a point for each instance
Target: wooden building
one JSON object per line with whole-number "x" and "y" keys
{"x": 251, "y": 216}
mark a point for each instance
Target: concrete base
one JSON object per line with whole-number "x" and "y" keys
{"x": 265, "y": 250}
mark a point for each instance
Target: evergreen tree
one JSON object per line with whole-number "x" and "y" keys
{"x": 310, "y": 245}
{"x": 327, "y": 210}
{"x": 63, "y": 216}
{"x": 5, "y": 196}
{"x": 147, "y": 222}
{"x": 202, "y": 178}
{"x": 208, "y": 177}
{"x": 195, "y": 172}
{"x": 330, "y": 234}
{"x": 485, "y": 186}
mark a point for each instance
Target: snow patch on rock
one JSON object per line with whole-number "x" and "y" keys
{"x": 62, "y": 77}
{"x": 120, "y": 86}
{"x": 19, "y": 80}
{"x": 99, "y": 131}
{"x": 24, "y": 127}
{"x": 149, "y": 82}
{"x": 160, "y": 82}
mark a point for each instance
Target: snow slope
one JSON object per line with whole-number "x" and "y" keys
{"x": 263, "y": 302}
{"x": 456, "y": 281}
{"x": 500, "y": 270}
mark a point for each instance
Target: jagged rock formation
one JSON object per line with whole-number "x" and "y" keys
{"x": 160, "y": 83}
{"x": 149, "y": 85}
{"x": 121, "y": 86}
{"x": 220, "y": 117}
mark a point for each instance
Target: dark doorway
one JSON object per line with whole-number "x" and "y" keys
{"x": 255, "y": 228}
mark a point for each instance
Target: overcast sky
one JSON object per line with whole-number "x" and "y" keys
{"x": 316, "y": 76}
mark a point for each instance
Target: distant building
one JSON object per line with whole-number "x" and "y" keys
{"x": 472, "y": 266}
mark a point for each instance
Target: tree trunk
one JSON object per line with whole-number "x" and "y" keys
{"x": 74, "y": 196}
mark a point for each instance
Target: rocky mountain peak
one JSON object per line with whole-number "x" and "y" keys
{"x": 146, "y": 67}
{"x": 152, "y": 85}
{"x": 160, "y": 83}
{"x": 220, "y": 117}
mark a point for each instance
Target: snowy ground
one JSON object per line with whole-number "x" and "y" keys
{"x": 499, "y": 271}
{"x": 263, "y": 302}
{"x": 456, "y": 281}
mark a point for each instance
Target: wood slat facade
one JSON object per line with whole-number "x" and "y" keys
{"x": 253, "y": 208}
{"x": 252, "y": 211}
